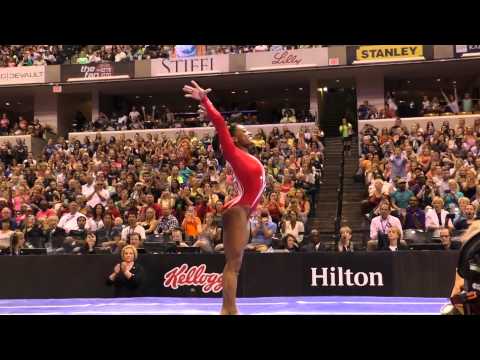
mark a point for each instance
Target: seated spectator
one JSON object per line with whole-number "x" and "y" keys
{"x": 127, "y": 276}
{"x": 75, "y": 240}
{"x": 401, "y": 197}
{"x": 211, "y": 229}
{"x": 150, "y": 203}
{"x": 437, "y": 218}
{"x": 291, "y": 225}
{"x": 95, "y": 222}
{"x": 262, "y": 232}
{"x": 345, "y": 243}
{"x": 5, "y": 235}
{"x": 446, "y": 239}
{"x": 133, "y": 227}
{"x": 90, "y": 244}
{"x": 99, "y": 195}
{"x": 45, "y": 211}
{"x": 19, "y": 242}
{"x": 364, "y": 111}
{"x": 288, "y": 117}
{"x": 394, "y": 237}
{"x": 467, "y": 219}
{"x": 314, "y": 244}
{"x": 150, "y": 223}
{"x": 68, "y": 222}
{"x": 135, "y": 240}
{"x": 167, "y": 223}
{"x": 452, "y": 194}
{"x": 379, "y": 228}
{"x": 33, "y": 233}
{"x": 191, "y": 225}
{"x": 177, "y": 237}
{"x": 105, "y": 234}
{"x": 54, "y": 235}
{"x": 4, "y": 125}
{"x": 415, "y": 216}
{"x": 290, "y": 244}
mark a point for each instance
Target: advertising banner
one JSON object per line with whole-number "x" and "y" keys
{"x": 99, "y": 71}
{"x": 467, "y": 51}
{"x": 190, "y": 65}
{"x": 284, "y": 59}
{"x": 22, "y": 75}
{"x": 387, "y": 53}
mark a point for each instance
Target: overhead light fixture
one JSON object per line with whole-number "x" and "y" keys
{"x": 338, "y": 81}
{"x": 7, "y": 103}
{"x": 150, "y": 96}
{"x": 438, "y": 80}
{"x": 320, "y": 89}
{"x": 137, "y": 97}
{"x": 301, "y": 89}
{"x": 234, "y": 92}
{"x": 325, "y": 89}
{"x": 246, "y": 91}
{"x": 286, "y": 89}
{"x": 408, "y": 81}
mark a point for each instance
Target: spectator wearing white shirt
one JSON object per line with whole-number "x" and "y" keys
{"x": 133, "y": 227}
{"x": 452, "y": 101}
{"x": 89, "y": 186}
{"x": 99, "y": 195}
{"x": 120, "y": 56}
{"x": 94, "y": 58}
{"x": 261, "y": 48}
{"x": 293, "y": 227}
{"x": 68, "y": 221}
{"x": 379, "y": 228}
{"x": 134, "y": 114}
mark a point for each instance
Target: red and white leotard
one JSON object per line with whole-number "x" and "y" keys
{"x": 248, "y": 171}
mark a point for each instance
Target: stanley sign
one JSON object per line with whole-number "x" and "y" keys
{"x": 384, "y": 53}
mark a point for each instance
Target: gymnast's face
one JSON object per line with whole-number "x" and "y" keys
{"x": 243, "y": 136}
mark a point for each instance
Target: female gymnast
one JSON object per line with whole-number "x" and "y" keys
{"x": 250, "y": 180}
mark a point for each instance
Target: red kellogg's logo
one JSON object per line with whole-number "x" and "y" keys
{"x": 285, "y": 57}
{"x": 193, "y": 276}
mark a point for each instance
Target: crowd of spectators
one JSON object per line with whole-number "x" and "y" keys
{"x": 99, "y": 195}
{"x": 427, "y": 106}
{"x": 27, "y": 55}
{"x": 420, "y": 179}
{"x": 164, "y": 118}
{"x": 22, "y": 126}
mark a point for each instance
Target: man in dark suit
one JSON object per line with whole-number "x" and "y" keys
{"x": 314, "y": 244}
{"x": 447, "y": 242}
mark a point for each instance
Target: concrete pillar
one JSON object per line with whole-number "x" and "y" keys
{"x": 45, "y": 108}
{"x": 371, "y": 87}
{"x": 314, "y": 98}
{"x": 95, "y": 103}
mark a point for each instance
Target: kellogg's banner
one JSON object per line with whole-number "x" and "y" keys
{"x": 190, "y": 65}
{"x": 186, "y": 275}
{"x": 388, "y": 53}
{"x": 287, "y": 59}
{"x": 467, "y": 50}
{"x": 22, "y": 75}
{"x": 99, "y": 71}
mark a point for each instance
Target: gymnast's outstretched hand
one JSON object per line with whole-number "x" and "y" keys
{"x": 195, "y": 91}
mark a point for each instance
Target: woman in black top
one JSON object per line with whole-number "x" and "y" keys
{"x": 127, "y": 276}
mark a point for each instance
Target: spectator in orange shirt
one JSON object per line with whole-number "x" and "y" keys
{"x": 191, "y": 225}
